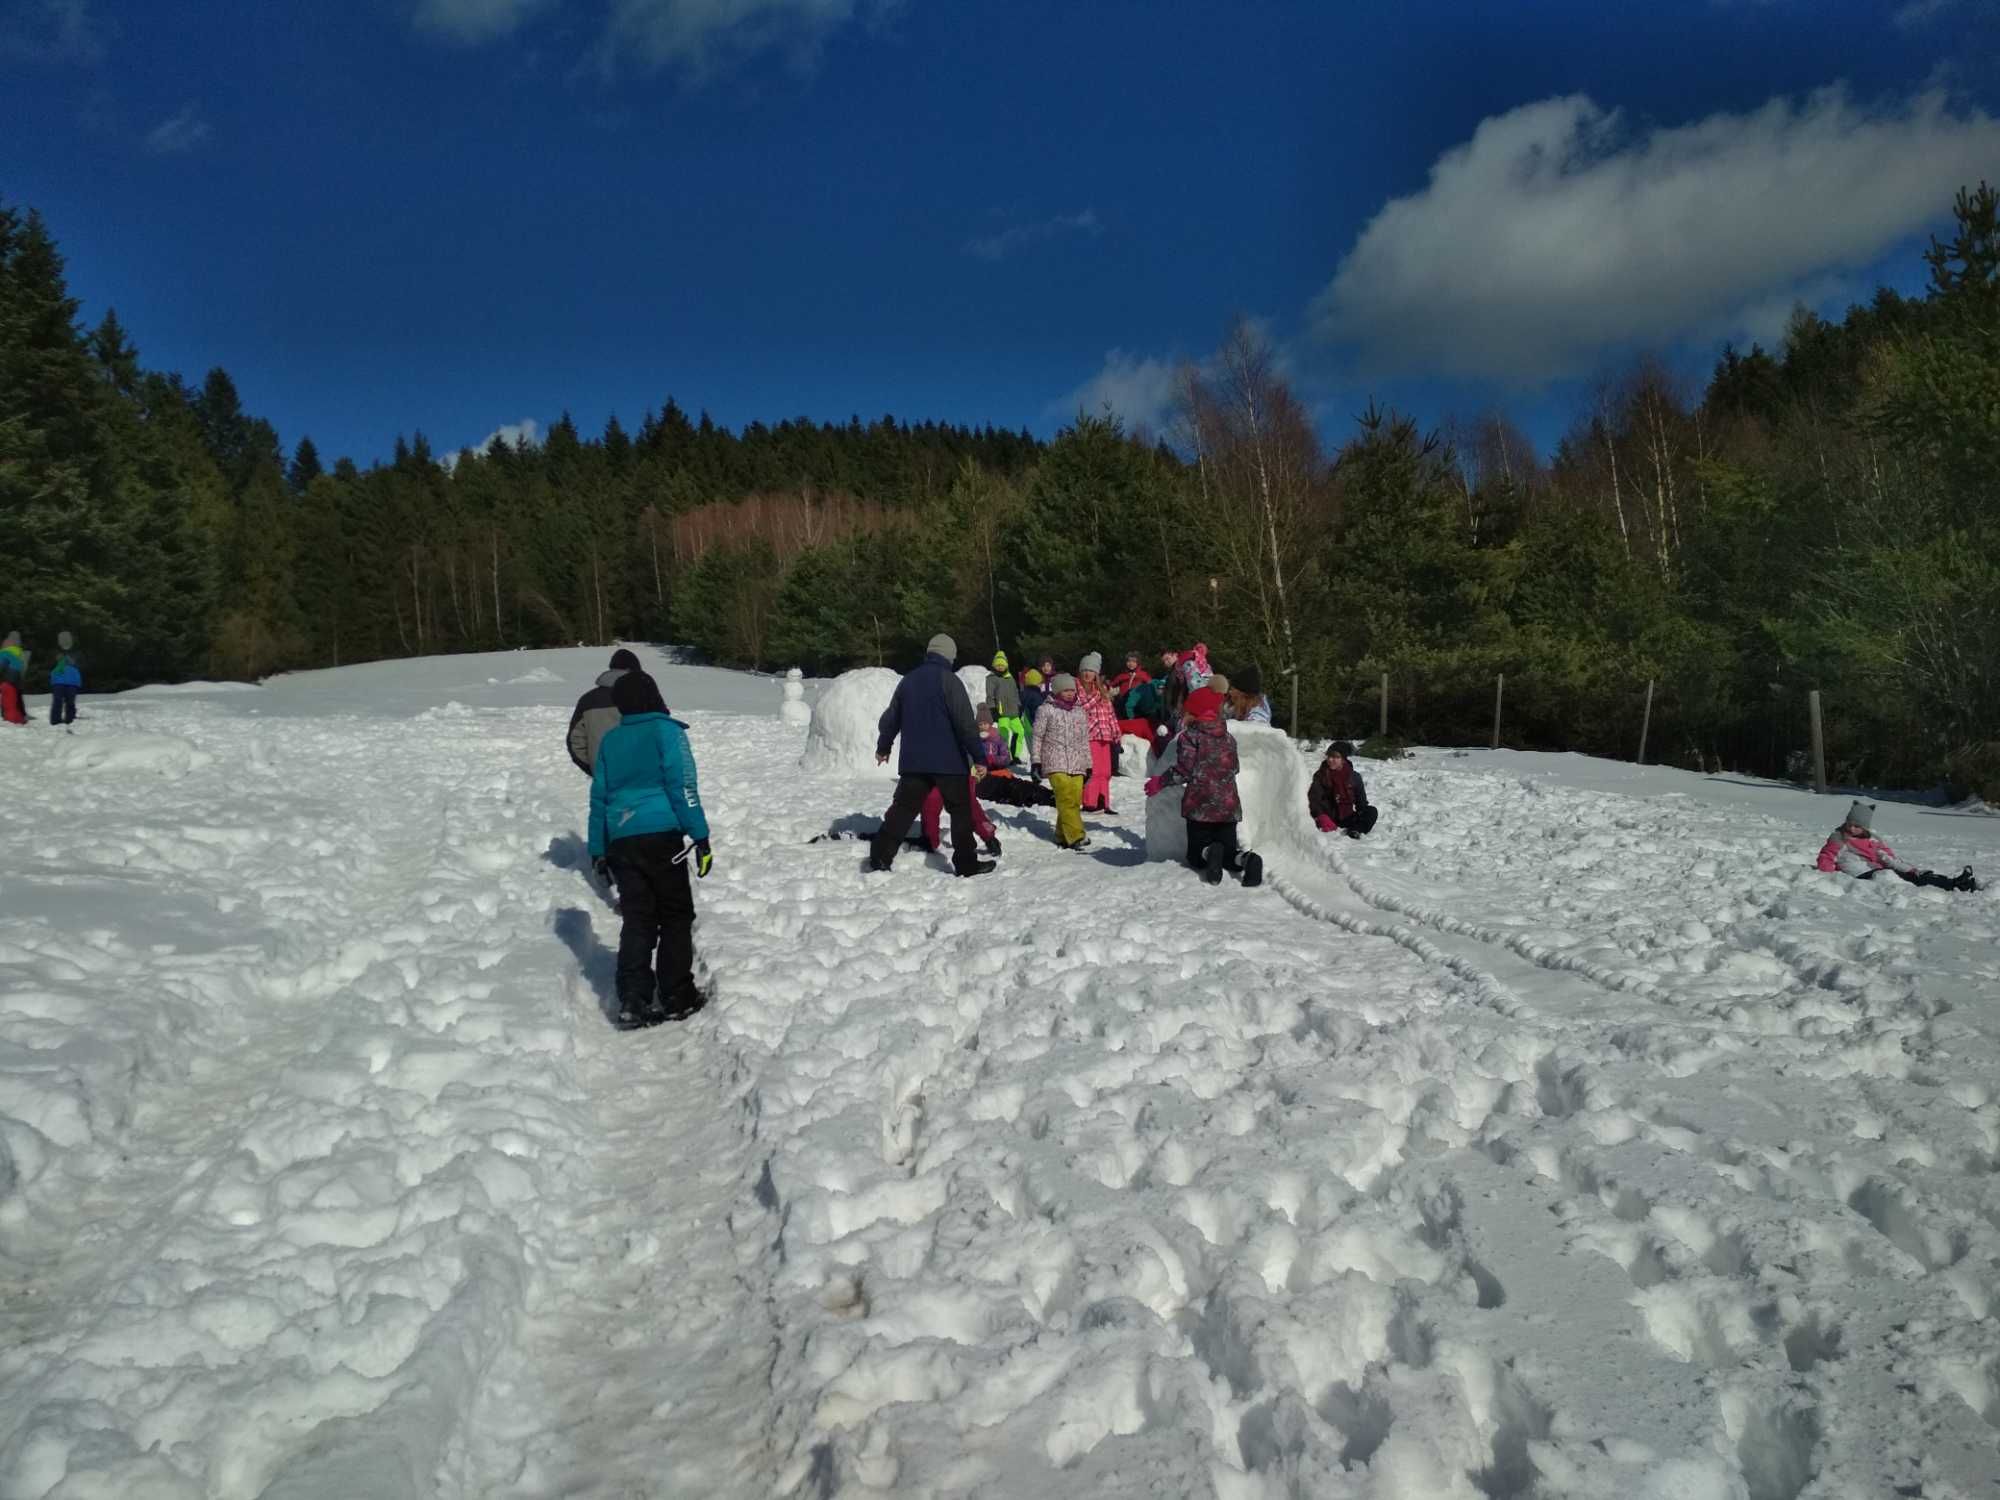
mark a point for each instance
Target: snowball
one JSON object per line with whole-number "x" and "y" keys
{"x": 1272, "y": 781}
{"x": 841, "y": 734}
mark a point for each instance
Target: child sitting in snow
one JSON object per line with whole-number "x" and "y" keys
{"x": 1337, "y": 797}
{"x": 1205, "y": 762}
{"x": 1853, "y": 849}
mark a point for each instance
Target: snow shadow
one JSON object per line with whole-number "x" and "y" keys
{"x": 597, "y": 963}
{"x": 568, "y": 851}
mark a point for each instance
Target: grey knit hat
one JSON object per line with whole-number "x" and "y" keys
{"x": 1093, "y": 661}
{"x": 943, "y": 645}
{"x": 1861, "y": 815}
{"x": 1064, "y": 683}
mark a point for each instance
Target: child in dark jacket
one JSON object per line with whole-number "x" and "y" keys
{"x": 65, "y": 681}
{"x": 1337, "y": 797}
{"x": 1205, "y": 764}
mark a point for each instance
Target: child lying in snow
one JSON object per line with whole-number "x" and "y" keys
{"x": 1853, "y": 849}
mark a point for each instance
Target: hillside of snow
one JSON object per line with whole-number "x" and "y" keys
{"x": 1570, "y": 1136}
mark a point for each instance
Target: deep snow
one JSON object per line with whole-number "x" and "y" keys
{"x": 1569, "y": 1136}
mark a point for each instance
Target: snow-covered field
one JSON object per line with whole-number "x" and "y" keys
{"x": 1569, "y": 1137}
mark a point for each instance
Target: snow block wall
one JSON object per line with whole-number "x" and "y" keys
{"x": 841, "y": 736}
{"x": 1134, "y": 754}
{"x": 974, "y": 678}
{"x": 1272, "y": 782}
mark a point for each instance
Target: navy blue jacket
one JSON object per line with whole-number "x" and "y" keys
{"x": 933, "y": 714}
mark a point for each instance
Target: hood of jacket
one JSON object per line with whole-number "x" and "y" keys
{"x": 606, "y": 679}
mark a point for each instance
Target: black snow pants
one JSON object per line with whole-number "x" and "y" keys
{"x": 1923, "y": 877}
{"x": 911, "y": 790}
{"x": 656, "y": 900}
{"x": 1360, "y": 821}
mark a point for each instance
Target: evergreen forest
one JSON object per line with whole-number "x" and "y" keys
{"x": 1822, "y": 515}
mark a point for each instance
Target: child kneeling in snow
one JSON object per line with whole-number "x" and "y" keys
{"x": 1205, "y": 762}
{"x": 1853, "y": 849}
{"x": 1337, "y": 797}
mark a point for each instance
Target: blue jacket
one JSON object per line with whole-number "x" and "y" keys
{"x": 643, "y": 782}
{"x": 933, "y": 714}
{"x": 66, "y": 673}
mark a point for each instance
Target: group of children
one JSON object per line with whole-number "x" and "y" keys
{"x": 65, "y": 680}
{"x": 1064, "y": 730}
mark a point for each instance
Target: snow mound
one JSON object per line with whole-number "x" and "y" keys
{"x": 1272, "y": 782}
{"x": 165, "y": 755}
{"x": 1134, "y": 754}
{"x": 534, "y": 676}
{"x": 841, "y": 735}
{"x": 974, "y": 678}
{"x": 189, "y": 689}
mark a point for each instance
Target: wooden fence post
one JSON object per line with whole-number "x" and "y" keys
{"x": 1818, "y": 743}
{"x": 1382, "y": 730}
{"x": 1646, "y": 721}
{"x": 1499, "y": 690}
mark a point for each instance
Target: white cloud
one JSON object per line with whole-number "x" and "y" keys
{"x": 1140, "y": 392}
{"x": 1555, "y": 234}
{"x": 179, "y": 133}
{"x": 49, "y": 31}
{"x": 526, "y": 433}
{"x": 476, "y": 21}
{"x": 1003, "y": 243}
{"x": 698, "y": 36}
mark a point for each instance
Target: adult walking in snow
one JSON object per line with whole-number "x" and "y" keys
{"x": 595, "y": 714}
{"x": 65, "y": 681}
{"x": 1337, "y": 797}
{"x": 647, "y": 825}
{"x": 1104, "y": 732}
{"x": 1853, "y": 849}
{"x": 1062, "y": 750}
{"x": 1205, "y": 764}
{"x": 1003, "y": 701}
{"x": 13, "y": 675}
{"x": 932, "y": 713}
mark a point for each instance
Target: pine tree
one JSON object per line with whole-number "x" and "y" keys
{"x": 305, "y": 467}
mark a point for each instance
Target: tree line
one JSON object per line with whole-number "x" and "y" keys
{"x": 1821, "y": 515}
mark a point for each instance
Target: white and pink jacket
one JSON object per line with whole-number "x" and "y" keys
{"x": 1849, "y": 856}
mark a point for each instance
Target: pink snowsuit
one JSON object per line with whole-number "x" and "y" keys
{"x": 1864, "y": 856}
{"x": 1103, "y": 735}
{"x": 933, "y": 815}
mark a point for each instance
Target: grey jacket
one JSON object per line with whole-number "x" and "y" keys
{"x": 595, "y": 717}
{"x": 1002, "y": 696}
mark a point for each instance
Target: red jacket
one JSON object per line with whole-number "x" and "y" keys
{"x": 1124, "y": 682}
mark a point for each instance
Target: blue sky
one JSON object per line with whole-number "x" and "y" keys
{"x": 457, "y": 215}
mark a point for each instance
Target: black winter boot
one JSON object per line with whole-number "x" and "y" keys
{"x": 1253, "y": 871}
{"x": 1213, "y": 859}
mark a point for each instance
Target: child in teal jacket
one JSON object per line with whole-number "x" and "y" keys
{"x": 647, "y": 826}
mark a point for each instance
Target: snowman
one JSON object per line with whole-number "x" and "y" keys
{"x": 794, "y": 710}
